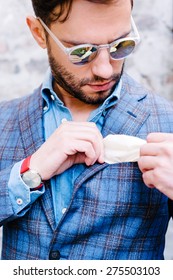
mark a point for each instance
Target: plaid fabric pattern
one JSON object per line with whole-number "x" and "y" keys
{"x": 112, "y": 214}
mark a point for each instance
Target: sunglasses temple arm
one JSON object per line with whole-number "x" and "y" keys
{"x": 52, "y": 35}
{"x": 135, "y": 29}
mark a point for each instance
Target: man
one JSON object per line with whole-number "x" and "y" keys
{"x": 58, "y": 198}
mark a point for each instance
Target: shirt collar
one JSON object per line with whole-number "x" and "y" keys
{"x": 48, "y": 92}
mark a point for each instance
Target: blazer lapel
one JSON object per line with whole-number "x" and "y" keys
{"x": 30, "y": 122}
{"x": 127, "y": 116}
{"x": 32, "y": 134}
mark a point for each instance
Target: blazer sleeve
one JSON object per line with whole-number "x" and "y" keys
{"x": 15, "y": 197}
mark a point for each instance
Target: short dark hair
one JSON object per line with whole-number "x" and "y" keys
{"x": 45, "y": 9}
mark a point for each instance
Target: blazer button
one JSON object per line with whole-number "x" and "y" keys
{"x": 54, "y": 255}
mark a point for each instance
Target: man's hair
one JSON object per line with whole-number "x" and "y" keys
{"x": 45, "y": 9}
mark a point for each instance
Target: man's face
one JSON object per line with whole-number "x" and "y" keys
{"x": 95, "y": 24}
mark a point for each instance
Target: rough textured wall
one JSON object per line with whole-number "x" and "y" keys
{"x": 23, "y": 63}
{"x": 152, "y": 64}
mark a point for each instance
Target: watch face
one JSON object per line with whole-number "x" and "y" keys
{"x": 31, "y": 178}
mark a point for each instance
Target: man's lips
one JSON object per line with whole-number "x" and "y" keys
{"x": 102, "y": 87}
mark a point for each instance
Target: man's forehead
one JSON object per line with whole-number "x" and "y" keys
{"x": 96, "y": 24}
{"x": 95, "y": 3}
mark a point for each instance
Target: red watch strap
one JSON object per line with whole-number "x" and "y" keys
{"x": 25, "y": 165}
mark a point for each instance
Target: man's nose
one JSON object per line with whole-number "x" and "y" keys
{"x": 101, "y": 65}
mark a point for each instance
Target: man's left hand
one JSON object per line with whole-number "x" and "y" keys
{"x": 156, "y": 162}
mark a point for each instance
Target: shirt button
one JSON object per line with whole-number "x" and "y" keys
{"x": 64, "y": 210}
{"x": 45, "y": 108}
{"x": 63, "y": 120}
{"x": 19, "y": 201}
{"x": 54, "y": 255}
{"x": 52, "y": 97}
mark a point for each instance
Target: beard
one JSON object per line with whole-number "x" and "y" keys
{"x": 73, "y": 86}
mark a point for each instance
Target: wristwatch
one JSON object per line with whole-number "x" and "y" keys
{"x": 30, "y": 177}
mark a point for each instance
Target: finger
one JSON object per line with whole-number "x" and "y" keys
{"x": 159, "y": 137}
{"x": 79, "y": 128}
{"x": 96, "y": 141}
{"x": 162, "y": 151}
{"x": 87, "y": 132}
{"x": 150, "y": 149}
{"x": 156, "y": 178}
{"x": 76, "y": 124}
{"x": 148, "y": 179}
{"x": 85, "y": 147}
{"x": 147, "y": 163}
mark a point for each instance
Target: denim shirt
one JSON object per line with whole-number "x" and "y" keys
{"x": 54, "y": 112}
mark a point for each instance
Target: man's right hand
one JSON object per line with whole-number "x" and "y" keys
{"x": 71, "y": 143}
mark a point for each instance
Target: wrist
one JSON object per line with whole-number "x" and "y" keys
{"x": 30, "y": 176}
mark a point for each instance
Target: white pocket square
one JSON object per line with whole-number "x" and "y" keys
{"x": 122, "y": 148}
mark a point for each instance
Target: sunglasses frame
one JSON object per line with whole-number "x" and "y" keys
{"x": 68, "y": 51}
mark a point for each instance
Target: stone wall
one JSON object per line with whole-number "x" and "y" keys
{"x": 23, "y": 63}
{"x": 152, "y": 64}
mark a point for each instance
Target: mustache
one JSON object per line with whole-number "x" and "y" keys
{"x": 114, "y": 77}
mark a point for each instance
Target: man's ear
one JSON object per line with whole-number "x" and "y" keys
{"x": 37, "y": 31}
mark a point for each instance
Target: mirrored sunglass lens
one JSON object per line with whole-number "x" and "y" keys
{"x": 80, "y": 56}
{"x": 122, "y": 49}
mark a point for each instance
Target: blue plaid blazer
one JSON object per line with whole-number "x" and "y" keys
{"x": 112, "y": 214}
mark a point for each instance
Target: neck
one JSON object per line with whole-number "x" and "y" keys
{"x": 80, "y": 111}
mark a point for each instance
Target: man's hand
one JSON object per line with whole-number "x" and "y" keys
{"x": 71, "y": 143}
{"x": 156, "y": 162}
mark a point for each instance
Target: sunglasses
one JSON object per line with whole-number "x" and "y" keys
{"x": 85, "y": 53}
